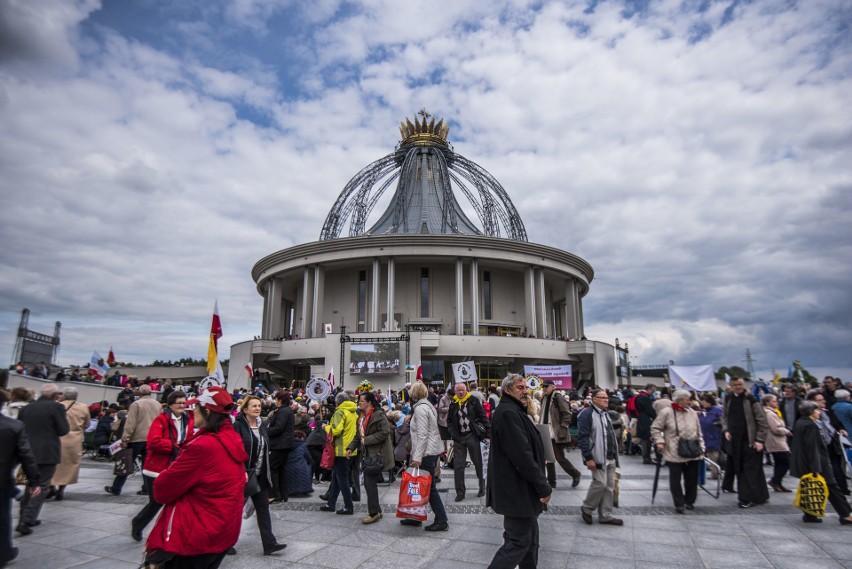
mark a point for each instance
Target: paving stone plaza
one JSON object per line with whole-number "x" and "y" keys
{"x": 91, "y": 530}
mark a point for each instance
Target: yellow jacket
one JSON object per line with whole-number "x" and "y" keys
{"x": 343, "y": 426}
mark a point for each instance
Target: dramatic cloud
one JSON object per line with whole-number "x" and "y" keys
{"x": 695, "y": 153}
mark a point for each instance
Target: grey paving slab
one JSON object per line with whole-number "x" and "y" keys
{"x": 91, "y": 529}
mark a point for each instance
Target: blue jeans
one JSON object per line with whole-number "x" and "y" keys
{"x": 428, "y": 464}
{"x": 340, "y": 483}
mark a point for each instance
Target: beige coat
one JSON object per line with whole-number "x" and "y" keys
{"x": 141, "y": 414}
{"x": 663, "y": 431}
{"x": 776, "y": 440}
{"x": 68, "y": 470}
{"x": 559, "y": 417}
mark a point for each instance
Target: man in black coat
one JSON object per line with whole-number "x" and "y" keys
{"x": 14, "y": 448}
{"x": 517, "y": 485}
{"x": 468, "y": 425}
{"x": 646, "y": 415}
{"x": 44, "y": 420}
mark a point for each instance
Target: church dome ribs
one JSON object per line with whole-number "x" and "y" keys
{"x": 426, "y": 173}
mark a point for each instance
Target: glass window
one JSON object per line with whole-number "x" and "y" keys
{"x": 362, "y": 301}
{"x": 424, "y": 293}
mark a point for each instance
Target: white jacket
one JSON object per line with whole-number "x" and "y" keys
{"x": 425, "y": 438}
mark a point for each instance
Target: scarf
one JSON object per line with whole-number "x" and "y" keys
{"x": 602, "y": 435}
{"x": 463, "y": 400}
{"x": 365, "y": 419}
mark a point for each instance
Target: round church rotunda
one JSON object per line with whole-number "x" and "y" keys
{"x": 441, "y": 274}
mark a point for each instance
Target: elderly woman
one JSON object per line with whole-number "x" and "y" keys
{"x": 342, "y": 429}
{"x": 776, "y": 442}
{"x": 426, "y": 447}
{"x": 252, "y": 431}
{"x": 68, "y": 470}
{"x": 710, "y": 418}
{"x": 810, "y": 455}
{"x": 169, "y": 431}
{"x": 373, "y": 437}
{"x": 202, "y": 491}
{"x": 674, "y": 423}
{"x": 828, "y": 430}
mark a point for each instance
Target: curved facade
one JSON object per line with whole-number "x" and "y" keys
{"x": 441, "y": 291}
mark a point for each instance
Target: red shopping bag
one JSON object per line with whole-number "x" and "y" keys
{"x": 414, "y": 495}
{"x": 327, "y": 460}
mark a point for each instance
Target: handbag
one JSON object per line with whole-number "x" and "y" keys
{"x": 372, "y": 465}
{"x": 123, "y": 462}
{"x": 477, "y": 428}
{"x": 327, "y": 460}
{"x": 252, "y": 483}
{"x": 686, "y": 448}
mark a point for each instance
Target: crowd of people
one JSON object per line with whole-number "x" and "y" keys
{"x": 234, "y": 454}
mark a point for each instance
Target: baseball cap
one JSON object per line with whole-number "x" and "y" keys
{"x": 547, "y": 382}
{"x": 215, "y": 399}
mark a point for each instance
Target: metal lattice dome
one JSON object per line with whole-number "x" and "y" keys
{"x": 427, "y": 172}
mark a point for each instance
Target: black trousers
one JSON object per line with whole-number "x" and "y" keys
{"x": 683, "y": 482}
{"x": 261, "y": 512}
{"x": 520, "y": 544}
{"x": 838, "y": 465}
{"x": 461, "y": 447}
{"x": 316, "y": 457}
{"x": 278, "y": 465}
{"x": 355, "y": 476}
{"x": 782, "y": 465}
{"x": 31, "y": 507}
{"x": 371, "y": 488}
{"x": 139, "y": 451}
{"x": 146, "y": 514}
{"x": 7, "y": 491}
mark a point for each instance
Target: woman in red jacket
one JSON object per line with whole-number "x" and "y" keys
{"x": 202, "y": 491}
{"x": 169, "y": 431}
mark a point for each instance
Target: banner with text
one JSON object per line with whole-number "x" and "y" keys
{"x": 464, "y": 372}
{"x": 559, "y": 375}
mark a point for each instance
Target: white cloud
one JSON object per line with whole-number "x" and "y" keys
{"x": 706, "y": 182}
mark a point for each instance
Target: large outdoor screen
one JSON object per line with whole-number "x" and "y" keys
{"x": 374, "y": 359}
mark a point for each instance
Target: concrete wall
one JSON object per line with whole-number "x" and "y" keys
{"x": 88, "y": 393}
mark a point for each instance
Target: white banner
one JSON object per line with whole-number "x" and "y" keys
{"x": 693, "y": 378}
{"x": 464, "y": 372}
{"x": 559, "y": 375}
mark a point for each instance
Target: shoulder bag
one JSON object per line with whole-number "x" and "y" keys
{"x": 686, "y": 448}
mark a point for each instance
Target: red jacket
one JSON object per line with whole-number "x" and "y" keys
{"x": 202, "y": 491}
{"x": 161, "y": 443}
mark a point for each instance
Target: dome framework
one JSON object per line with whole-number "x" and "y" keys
{"x": 426, "y": 171}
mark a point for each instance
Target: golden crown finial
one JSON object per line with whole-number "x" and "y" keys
{"x": 422, "y": 132}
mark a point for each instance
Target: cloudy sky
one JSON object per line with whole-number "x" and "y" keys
{"x": 697, "y": 153}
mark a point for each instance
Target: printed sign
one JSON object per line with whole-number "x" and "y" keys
{"x": 559, "y": 375}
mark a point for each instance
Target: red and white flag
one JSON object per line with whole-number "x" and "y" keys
{"x": 213, "y": 367}
{"x": 110, "y": 358}
{"x": 419, "y": 376}
{"x": 249, "y": 370}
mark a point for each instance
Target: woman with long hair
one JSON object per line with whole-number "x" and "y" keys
{"x": 281, "y": 427}
{"x": 168, "y": 433}
{"x": 426, "y": 447}
{"x": 373, "y": 437}
{"x": 253, "y": 433}
{"x": 201, "y": 491}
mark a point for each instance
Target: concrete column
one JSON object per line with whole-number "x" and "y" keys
{"x": 529, "y": 305}
{"x": 272, "y": 302}
{"x": 391, "y": 285}
{"x": 307, "y": 303}
{"x": 374, "y": 298}
{"x": 580, "y": 328}
{"x": 459, "y": 296}
{"x": 318, "y": 295}
{"x": 264, "y": 328}
{"x": 286, "y": 319}
{"x": 541, "y": 304}
{"x": 474, "y": 297}
{"x": 571, "y": 316}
